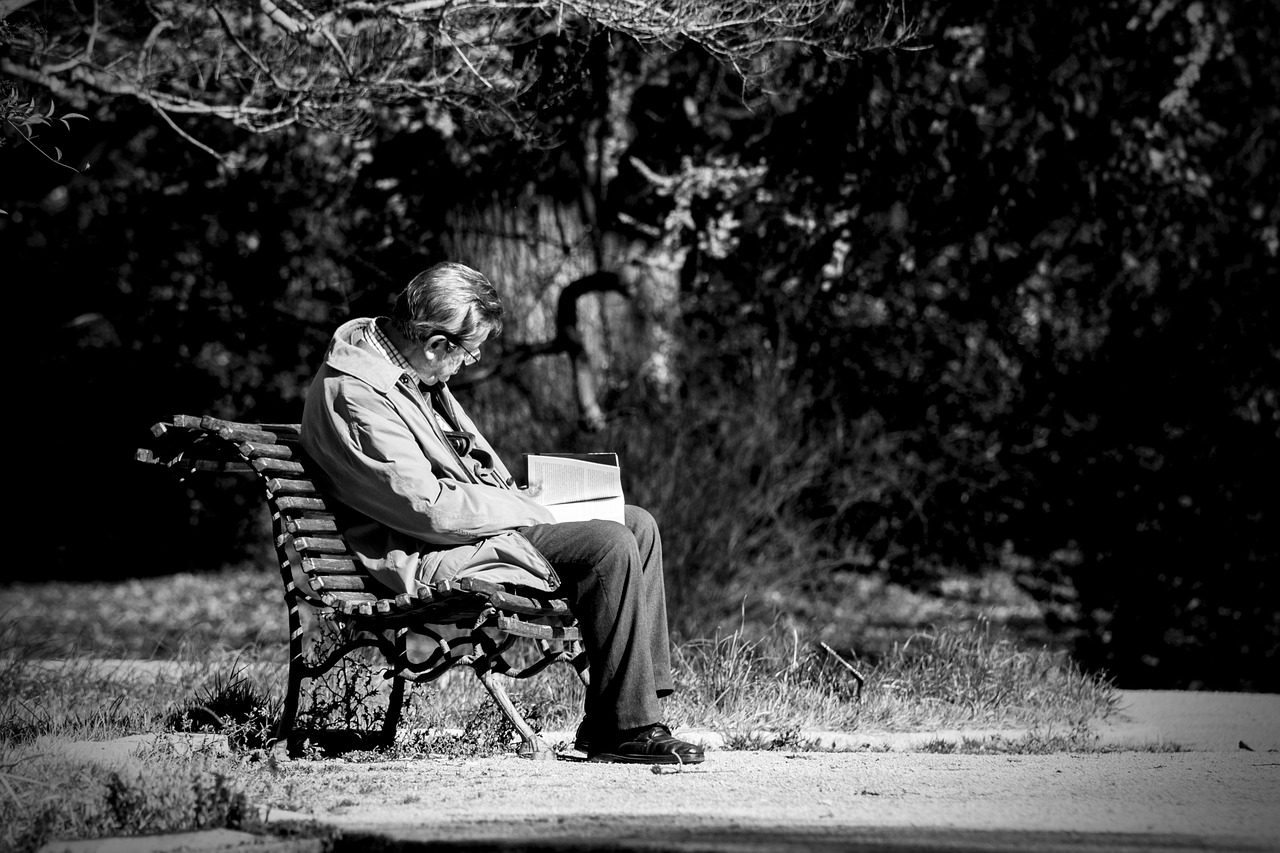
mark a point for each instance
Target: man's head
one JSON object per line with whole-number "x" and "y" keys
{"x": 450, "y": 298}
{"x": 443, "y": 316}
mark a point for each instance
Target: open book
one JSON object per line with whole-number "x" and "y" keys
{"x": 577, "y": 486}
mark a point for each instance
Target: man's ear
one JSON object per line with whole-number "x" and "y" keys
{"x": 437, "y": 344}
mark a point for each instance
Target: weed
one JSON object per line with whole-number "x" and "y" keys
{"x": 231, "y": 704}
{"x": 349, "y": 696}
{"x": 49, "y": 796}
{"x": 485, "y": 731}
{"x": 789, "y": 739}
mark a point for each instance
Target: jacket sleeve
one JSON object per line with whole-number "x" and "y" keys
{"x": 376, "y": 467}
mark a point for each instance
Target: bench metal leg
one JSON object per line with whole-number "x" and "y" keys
{"x": 293, "y": 692}
{"x": 395, "y": 703}
{"x": 582, "y": 667}
{"x": 533, "y": 747}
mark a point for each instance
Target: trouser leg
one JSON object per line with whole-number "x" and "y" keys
{"x": 612, "y": 577}
{"x": 649, "y": 547}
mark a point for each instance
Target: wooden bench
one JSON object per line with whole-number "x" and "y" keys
{"x": 319, "y": 570}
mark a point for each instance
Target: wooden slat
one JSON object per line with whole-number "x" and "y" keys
{"x": 331, "y": 565}
{"x": 288, "y": 504}
{"x": 241, "y": 432}
{"x": 311, "y": 524}
{"x": 239, "y": 436}
{"x": 220, "y": 426}
{"x": 285, "y": 430}
{"x": 351, "y": 603}
{"x": 280, "y": 486}
{"x": 346, "y": 583}
{"x": 266, "y": 450}
{"x": 180, "y": 463}
{"x": 500, "y": 597}
{"x": 471, "y": 584}
{"x": 321, "y": 544}
{"x": 352, "y": 596}
{"x": 529, "y": 606}
{"x": 520, "y": 628}
{"x": 279, "y": 468}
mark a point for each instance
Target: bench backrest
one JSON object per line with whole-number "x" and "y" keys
{"x": 307, "y": 538}
{"x": 316, "y": 563}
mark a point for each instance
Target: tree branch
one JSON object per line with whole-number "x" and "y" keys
{"x": 8, "y": 7}
{"x": 332, "y": 63}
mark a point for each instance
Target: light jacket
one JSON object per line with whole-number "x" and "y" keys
{"x": 413, "y": 511}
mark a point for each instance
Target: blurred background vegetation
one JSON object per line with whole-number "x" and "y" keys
{"x": 991, "y": 291}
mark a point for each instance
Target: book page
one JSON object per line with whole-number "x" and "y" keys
{"x": 608, "y": 509}
{"x": 558, "y": 479}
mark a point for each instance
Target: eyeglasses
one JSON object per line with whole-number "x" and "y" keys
{"x": 454, "y": 343}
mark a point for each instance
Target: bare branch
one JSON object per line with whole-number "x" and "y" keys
{"x": 8, "y": 7}
{"x": 191, "y": 139}
{"x": 330, "y": 64}
{"x": 278, "y": 15}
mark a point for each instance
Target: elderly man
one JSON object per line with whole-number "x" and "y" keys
{"x": 429, "y": 500}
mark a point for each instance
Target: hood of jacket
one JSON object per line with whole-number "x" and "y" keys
{"x": 413, "y": 510}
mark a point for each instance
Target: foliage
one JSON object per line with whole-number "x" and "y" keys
{"x": 22, "y": 119}
{"x": 1035, "y": 257}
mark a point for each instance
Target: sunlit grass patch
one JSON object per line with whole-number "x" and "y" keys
{"x": 150, "y": 618}
{"x": 45, "y": 795}
{"x": 83, "y": 697}
{"x": 1038, "y": 742}
{"x": 962, "y": 678}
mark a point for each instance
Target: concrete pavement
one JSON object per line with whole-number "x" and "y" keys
{"x": 1177, "y": 771}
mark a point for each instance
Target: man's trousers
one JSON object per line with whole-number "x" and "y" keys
{"x": 612, "y": 577}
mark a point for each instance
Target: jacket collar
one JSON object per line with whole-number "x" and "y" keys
{"x": 351, "y": 352}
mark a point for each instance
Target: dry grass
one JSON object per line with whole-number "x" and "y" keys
{"x": 760, "y": 687}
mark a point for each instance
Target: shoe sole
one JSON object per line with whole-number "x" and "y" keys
{"x": 608, "y": 758}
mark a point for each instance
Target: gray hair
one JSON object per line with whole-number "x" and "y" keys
{"x": 450, "y": 298}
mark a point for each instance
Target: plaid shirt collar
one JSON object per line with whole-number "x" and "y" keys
{"x": 380, "y": 342}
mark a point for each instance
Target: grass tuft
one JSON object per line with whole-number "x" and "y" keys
{"x": 961, "y": 678}
{"x": 233, "y": 705}
{"x": 45, "y": 796}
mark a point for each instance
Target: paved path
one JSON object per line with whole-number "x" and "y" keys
{"x": 1213, "y": 794}
{"x": 1217, "y": 800}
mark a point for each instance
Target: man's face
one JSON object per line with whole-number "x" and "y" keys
{"x": 444, "y": 355}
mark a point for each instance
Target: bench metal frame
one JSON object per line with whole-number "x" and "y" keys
{"x": 319, "y": 570}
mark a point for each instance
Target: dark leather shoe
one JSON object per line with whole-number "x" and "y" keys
{"x": 650, "y": 745}
{"x": 582, "y": 738}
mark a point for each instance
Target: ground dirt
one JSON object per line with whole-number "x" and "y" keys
{"x": 775, "y": 799}
{"x": 1174, "y": 771}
